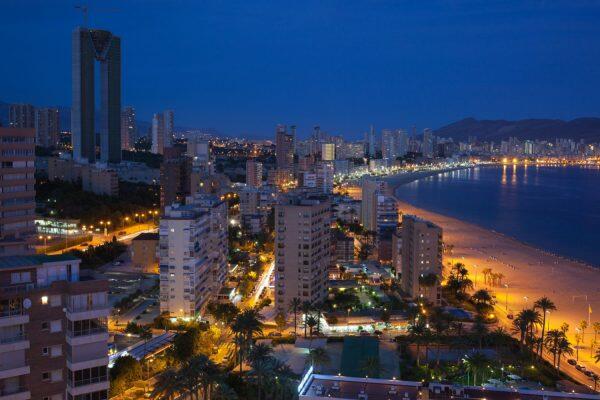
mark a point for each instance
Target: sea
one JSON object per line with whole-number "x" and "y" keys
{"x": 554, "y": 208}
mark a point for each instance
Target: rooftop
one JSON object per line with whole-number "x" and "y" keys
{"x": 343, "y": 387}
{"x": 8, "y": 262}
{"x": 147, "y": 236}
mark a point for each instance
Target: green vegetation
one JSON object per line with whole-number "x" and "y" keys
{"x": 96, "y": 256}
{"x": 123, "y": 374}
{"x": 68, "y": 200}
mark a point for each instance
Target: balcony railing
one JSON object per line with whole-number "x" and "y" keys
{"x": 11, "y": 313}
{"x": 20, "y": 288}
{"x": 13, "y": 390}
{"x": 13, "y": 339}
{"x": 86, "y": 307}
{"x": 86, "y": 332}
{"x": 88, "y": 381}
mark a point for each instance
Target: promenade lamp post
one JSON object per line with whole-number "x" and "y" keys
{"x": 45, "y": 238}
{"x": 506, "y": 296}
{"x": 106, "y": 228}
{"x": 126, "y": 219}
{"x": 136, "y": 217}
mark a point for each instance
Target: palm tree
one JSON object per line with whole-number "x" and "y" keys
{"x": 318, "y": 357}
{"x": 207, "y": 373}
{"x": 525, "y": 323}
{"x": 260, "y": 360}
{"x": 440, "y": 321}
{"x": 306, "y": 308}
{"x": 246, "y": 324}
{"x": 564, "y": 347}
{"x": 168, "y": 385}
{"x": 318, "y": 307}
{"x": 480, "y": 330}
{"x": 417, "y": 332}
{"x": 544, "y": 304}
{"x": 475, "y": 363}
{"x": 486, "y": 273}
{"x": 311, "y": 321}
{"x": 483, "y": 300}
{"x": 597, "y": 356}
{"x": 552, "y": 341}
{"x": 294, "y": 307}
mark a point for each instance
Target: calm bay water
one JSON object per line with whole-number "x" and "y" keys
{"x": 553, "y": 208}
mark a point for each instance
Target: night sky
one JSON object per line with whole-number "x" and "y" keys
{"x": 241, "y": 67}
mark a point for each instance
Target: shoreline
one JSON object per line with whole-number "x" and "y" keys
{"x": 529, "y": 272}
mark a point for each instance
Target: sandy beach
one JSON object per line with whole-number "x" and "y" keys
{"x": 530, "y": 273}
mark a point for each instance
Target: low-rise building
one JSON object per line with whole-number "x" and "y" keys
{"x": 143, "y": 252}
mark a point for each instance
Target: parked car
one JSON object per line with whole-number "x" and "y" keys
{"x": 572, "y": 361}
{"x": 580, "y": 367}
{"x": 274, "y": 334}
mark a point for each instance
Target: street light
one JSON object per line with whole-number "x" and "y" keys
{"x": 45, "y": 238}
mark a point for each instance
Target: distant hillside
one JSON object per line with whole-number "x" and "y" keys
{"x": 587, "y": 129}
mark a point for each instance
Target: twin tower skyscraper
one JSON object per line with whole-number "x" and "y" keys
{"x": 91, "y": 46}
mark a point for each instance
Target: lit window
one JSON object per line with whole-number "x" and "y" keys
{"x": 44, "y": 299}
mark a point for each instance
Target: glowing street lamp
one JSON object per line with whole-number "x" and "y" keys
{"x": 45, "y": 239}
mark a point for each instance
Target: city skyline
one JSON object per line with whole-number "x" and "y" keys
{"x": 505, "y": 74}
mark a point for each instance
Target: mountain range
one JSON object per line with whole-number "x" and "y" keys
{"x": 587, "y": 129}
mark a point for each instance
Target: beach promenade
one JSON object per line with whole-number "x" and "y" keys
{"x": 529, "y": 274}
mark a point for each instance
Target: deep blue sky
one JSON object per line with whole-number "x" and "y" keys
{"x": 243, "y": 66}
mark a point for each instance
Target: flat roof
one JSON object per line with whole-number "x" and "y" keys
{"x": 8, "y": 262}
{"x": 344, "y": 387}
{"x": 147, "y": 236}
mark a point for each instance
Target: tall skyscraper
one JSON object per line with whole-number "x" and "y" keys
{"x": 17, "y": 191}
{"x": 89, "y": 46}
{"x": 401, "y": 143}
{"x": 421, "y": 256}
{"x": 371, "y": 142}
{"x": 199, "y": 150}
{"x": 302, "y": 249}
{"x": 47, "y": 127}
{"x": 284, "y": 147}
{"x": 21, "y": 116}
{"x": 128, "y": 128}
{"x": 54, "y": 329}
{"x": 254, "y": 173}
{"x": 428, "y": 143}
{"x": 162, "y": 131}
{"x": 388, "y": 144}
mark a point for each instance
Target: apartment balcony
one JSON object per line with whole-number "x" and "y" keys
{"x": 12, "y": 371}
{"x": 13, "y": 317}
{"x": 90, "y": 385}
{"x": 17, "y": 342}
{"x": 87, "y": 336}
{"x": 88, "y": 311}
{"x": 20, "y": 393}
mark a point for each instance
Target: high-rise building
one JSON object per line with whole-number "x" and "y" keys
{"x": 162, "y": 131}
{"x": 421, "y": 256}
{"x": 54, "y": 329}
{"x": 88, "y": 46}
{"x": 284, "y": 147}
{"x": 17, "y": 190}
{"x": 401, "y": 143}
{"x": 254, "y": 173}
{"x": 428, "y": 143}
{"x": 128, "y": 128}
{"x": 186, "y": 268}
{"x": 47, "y": 127}
{"x": 324, "y": 176}
{"x": 371, "y": 142}
{"x": 21, "y": 116}
{"x": 302, "y": 249}
{"x": 175, "y": 177}
{"x": 388, "y": 144}
{"x": 219, "y": 241}
{"x": 371, "y": 190}
{"x": 328, "y": 151}
{"x": 199, "y": 150}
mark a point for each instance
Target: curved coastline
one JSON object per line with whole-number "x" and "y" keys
{"x": 420, "y": 210}
{"x": 529, "y": 272}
